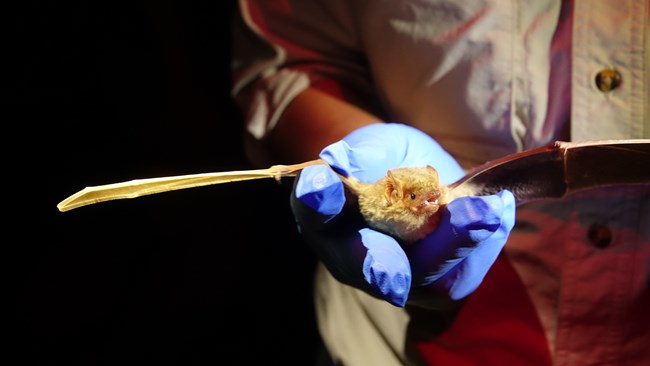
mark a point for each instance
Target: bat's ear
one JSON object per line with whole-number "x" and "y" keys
{"x": 432, "y": 170}
{"x": 393, "y": 190}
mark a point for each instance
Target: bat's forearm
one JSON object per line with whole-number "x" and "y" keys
{"x": 143, "y": 187}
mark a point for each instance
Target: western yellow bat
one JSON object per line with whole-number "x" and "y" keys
{"x": 406, "y": 202}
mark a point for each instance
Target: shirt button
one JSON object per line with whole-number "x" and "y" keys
{"x": 608, "y": 80}
{"x": 599, "y": 235}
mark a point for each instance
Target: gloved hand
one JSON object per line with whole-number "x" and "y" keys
{"x": 447, "y": 265}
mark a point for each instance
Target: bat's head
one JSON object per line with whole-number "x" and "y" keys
{"x": 417, "y": 189}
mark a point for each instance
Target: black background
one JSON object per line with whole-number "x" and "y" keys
{"x": 103, "y": 92}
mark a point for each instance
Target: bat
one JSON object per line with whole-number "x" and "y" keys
{"x": 406, "y": 202}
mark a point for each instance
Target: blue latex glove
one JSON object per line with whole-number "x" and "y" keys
{"x": 444, "y": 267}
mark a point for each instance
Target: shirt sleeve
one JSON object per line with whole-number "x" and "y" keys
{"x": 281, "y": 48}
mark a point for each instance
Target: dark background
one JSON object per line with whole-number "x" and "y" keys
{"x": 103, "y": 92}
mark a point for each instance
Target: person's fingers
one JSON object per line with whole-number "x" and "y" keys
{"x": 354, "y": 254}
{"x": 386, "y": 268}
{"x": 320, "y": 189}
{"x": 369, "y": 152}
{"x": 466, "y": 224}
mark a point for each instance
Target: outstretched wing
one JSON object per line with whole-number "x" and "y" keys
{"x": 558, "y": 169}
{"x": 141, "y": 187}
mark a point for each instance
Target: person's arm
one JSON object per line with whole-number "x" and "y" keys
{"x": 313, "y": 120}
{"x": 320, "y": 115}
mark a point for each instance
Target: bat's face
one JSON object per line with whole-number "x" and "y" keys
{"x": 421, "y": 200}
{"x": 417, "y": 189}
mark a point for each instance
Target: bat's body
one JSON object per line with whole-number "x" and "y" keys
{"x": 405, "y": 203}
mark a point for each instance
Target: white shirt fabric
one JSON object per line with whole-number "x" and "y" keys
{"x": 485, "y": 78}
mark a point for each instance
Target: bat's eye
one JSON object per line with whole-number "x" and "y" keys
{"x": 413, "y": 195}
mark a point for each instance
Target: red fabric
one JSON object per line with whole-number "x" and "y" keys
{"x": 497, "y": 325}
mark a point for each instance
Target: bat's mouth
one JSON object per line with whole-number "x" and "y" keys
{"x": 430, "y": 204}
